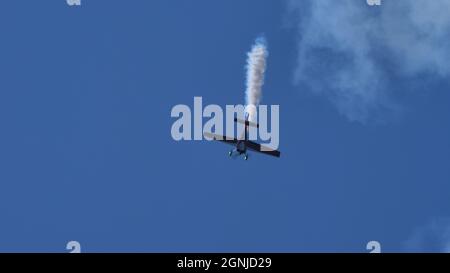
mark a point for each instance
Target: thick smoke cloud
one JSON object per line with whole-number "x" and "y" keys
{"x": 433, "y": 237}
{"x": 354, "y": 53}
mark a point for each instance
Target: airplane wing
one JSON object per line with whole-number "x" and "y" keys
{"x": 224, "y": 139}
{"x": 262, "y": 149}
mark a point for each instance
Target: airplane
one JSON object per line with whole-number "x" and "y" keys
{"x": 243, "y": 144}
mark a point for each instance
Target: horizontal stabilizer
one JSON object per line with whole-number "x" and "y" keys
{"x": 246, "y": 122}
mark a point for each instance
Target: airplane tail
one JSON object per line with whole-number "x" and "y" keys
{"x": 246, "y": 122}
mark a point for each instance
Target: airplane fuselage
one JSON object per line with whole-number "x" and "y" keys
{"x": 241, "y": 148}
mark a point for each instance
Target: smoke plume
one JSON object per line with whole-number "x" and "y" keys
{"x": 360, "y": 57}
{"x": 256, "y": 66}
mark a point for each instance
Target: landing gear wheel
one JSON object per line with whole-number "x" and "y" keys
{"x": 230, "y": 153}
{"x": 245, "y": 157}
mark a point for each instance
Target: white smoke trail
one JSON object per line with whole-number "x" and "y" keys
{"x": 256, "y": 66}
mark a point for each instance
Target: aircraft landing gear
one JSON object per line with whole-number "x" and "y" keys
{"x": 230, "y": 153}
{"x": 246, "y": 157}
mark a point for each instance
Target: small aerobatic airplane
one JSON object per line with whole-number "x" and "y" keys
{"x": 243, "y": 144}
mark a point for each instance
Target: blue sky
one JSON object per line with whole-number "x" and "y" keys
{"x": 86, "y": 152}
